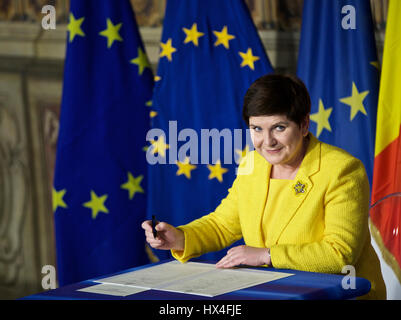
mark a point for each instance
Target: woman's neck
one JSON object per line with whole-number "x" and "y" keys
{"x": 281, "y": 174}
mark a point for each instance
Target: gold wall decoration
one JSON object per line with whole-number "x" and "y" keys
{"x": 281, "y": 15}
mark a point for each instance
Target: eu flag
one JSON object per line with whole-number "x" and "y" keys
{"x": 99, "y": 198}
{"x": 338, "y": 63}
{"x": 210, "y": 54}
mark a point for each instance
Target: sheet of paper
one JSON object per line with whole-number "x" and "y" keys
{"x": 112, "y": 289}
{"x": 194, "y": 278}
{"x": 222, "y": 281}
{"x": 159, "y": 275}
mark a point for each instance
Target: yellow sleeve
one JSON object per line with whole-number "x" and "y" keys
{"x": 214, "y": 231}
{"x": 346, "y": 227}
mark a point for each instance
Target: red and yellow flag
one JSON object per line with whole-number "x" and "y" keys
{"x": 385, "y": 212}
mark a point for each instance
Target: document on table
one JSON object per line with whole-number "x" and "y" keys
{"x": 112, "y": 289}
{"x": 222, "y": 281}
{"x": 193, "y": 278}
{"x": 160, "y": 275}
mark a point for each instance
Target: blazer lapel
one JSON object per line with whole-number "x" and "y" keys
{"x": 258, "y": 204}
{"x": 299, "y": 189}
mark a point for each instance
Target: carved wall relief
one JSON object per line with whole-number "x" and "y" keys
{"x": 14, "y": 194}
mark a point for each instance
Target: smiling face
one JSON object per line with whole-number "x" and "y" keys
{"x": 279, "y": 140}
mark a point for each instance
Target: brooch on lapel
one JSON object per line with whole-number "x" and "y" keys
{"x": 300, "y": 187}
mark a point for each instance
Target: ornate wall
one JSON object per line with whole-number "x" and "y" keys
{"x": 283, "y": 15}
{"x": 31, "y": 73}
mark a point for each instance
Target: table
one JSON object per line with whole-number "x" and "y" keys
{"x": 301, "y": 286}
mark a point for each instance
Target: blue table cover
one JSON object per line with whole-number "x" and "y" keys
{"x": 301, "y": 286}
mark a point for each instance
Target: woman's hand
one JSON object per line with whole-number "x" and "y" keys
{"x": 168, "y": 237}
{"x": 250, "y": 256}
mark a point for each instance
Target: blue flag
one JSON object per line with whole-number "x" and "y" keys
{"x": 338, "y": 63}
{"x": 99, "y": 197}
{"x": 210, "y": 54}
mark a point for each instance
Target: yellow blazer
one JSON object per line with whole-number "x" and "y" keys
{"x": 324, "y": 225}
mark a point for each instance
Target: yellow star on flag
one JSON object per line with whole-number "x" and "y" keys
{"x": 167, "y": 50}
{"x": 96, "y": 204}
{"x": 322, "y": 118}
{"x": 74, "y": 27}
{"x": 152, "y": 113}
{"x": 355, "y": 101}
{"x": 248, "y": 59}
{"x": 223, "y": 37}
{"x": 141, "y": 61}
{"x": 216, "y": 171}
{"x": 185, "y": 168}
{"x": 57, "y": 199}
{"x": 159, "y": 146}
{"x": 133, "y": 185}
{"x": 192, "y": 35}
{"x": 376, "y": 64}
{"x": 111, "y": 33}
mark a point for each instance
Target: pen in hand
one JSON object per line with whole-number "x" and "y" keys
{"x": 154, "y": 226}
{"x": 167, "y": 237}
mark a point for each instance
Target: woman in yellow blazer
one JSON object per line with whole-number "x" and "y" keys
{"x": 297, "y": 202}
